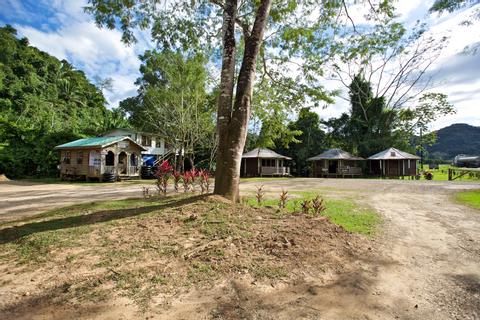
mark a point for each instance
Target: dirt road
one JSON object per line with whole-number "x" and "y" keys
{"x": 429, "y": 253}
{"x": 21, "y": 199}
{"x": 426, "y": 266}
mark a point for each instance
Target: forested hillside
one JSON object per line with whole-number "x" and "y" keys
{"x": 459, "y": 138}
{"x": 43, "y": 102}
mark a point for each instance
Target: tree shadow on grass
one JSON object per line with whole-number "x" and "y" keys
{"x": 14, "y": 233}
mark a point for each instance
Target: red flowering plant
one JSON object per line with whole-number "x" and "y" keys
{"x": 186, "y": 177}
{"x": 194, "y": 174}
{"x": 177, "y": 176}
{"x": 163, "y": 174}
{"x": 204, "y": 180}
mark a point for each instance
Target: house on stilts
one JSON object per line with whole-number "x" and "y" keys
{"x": 336, "y": 163}
{"x": 264, "y": 162}
{"x": 100, "y": 158}
{"x": 393, "y": 163}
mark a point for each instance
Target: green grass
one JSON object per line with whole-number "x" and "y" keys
{"x": 345, "y": 212}
{"x": 470, "y": 198}
{"x": 441, "y": 174}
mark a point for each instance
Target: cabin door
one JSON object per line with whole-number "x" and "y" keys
{"x": 122, "y": 163}
{"x": 332, "y": 166}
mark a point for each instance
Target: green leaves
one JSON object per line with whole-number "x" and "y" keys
{"x": 43, "y": 102}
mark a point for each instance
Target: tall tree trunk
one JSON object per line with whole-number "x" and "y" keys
{"x": 233, "y": 122}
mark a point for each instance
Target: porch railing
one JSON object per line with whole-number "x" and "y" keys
{"x": 109, "y": 169}
{"x": 133, "y": 170}
{"x": 93, "y": 170}
{"x": 275, "y": 171}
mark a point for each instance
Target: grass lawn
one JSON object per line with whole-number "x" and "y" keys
{"x": 441, "y": 174}
{"x": 470, "y": 198}
{"x": 345, "y": 212}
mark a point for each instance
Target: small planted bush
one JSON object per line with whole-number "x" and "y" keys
{"x": 204, "y": 180}
{"x": 282, "y": 201}
{"x": 194, "y": 175}
{"x": 318, "y": 205}
{"x": 177, "y": 177}
{"x": 306, "y": 205}
{"x": 260, "y": 194}
{"x": 163, "y": 174}
{"x": 186, "y": 177}
{"x": 428, "y": 175}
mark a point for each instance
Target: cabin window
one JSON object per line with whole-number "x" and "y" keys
{"x": 393, "y": 154}
{"x": 110, "y": 159}
{"x": 95, "y": 159}
{"x": 80, "y": 157}
{"x": 146, "y": 141}
{"x": 66, "y": 157}
{"x": 268, "y": 162}
{"x": 133, "y": 160}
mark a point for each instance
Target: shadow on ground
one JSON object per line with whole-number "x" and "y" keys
{"x": 14, "y": 233}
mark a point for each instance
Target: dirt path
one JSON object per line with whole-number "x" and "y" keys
{"x": 22, "y": 199}
{"x": 428, "y": 265}
{"x": 424, "y": 265}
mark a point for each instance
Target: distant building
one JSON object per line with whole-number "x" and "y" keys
{"x": 336, "y": 163}
{"x": 463, "y": 160}
{"x": 393, "y": 163}
{"x": 264, "y": 162}
{"x": 102, "y": 158}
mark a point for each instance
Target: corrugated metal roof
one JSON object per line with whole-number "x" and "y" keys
{"x": 264, "y": 153}
{"x": 392, "y": 154}
{"x": 335, "y": 154}
{"x": 95, "y": 142}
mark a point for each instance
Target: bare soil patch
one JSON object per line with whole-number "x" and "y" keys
{"x": 187, "y": 258}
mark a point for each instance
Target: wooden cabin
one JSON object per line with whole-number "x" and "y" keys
{"x": 393, "y": 163}
{"x": 336, "y": 163}
{"x": 96, "y": 158}
{"x": 264, "y": 162}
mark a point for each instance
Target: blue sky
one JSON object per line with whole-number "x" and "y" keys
{"x": 61, "y": 28}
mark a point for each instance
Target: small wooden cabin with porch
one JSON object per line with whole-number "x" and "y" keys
{"x": 94, "y": 158}
{"x": 264, "y": 162}
{"x": 336, "y": 163}
{"x": 393, "y": 163}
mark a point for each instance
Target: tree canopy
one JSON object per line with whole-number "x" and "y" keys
{"x": 172, "y": 101}
{"x": 43, "y": 102}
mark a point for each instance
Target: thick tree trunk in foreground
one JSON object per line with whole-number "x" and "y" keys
{"x": 232, "y": 121}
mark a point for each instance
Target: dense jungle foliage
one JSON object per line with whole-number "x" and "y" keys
{"x": 43, "y": 102}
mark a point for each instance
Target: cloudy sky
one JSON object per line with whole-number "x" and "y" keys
{"x": 61, "y": 28}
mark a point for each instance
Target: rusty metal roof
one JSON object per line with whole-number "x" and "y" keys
{"x": 393, "y": 154}
{"x": 335, "y": 154}
{"x": 264, "y": 153}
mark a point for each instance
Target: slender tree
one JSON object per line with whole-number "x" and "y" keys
{"x": 259, "y": 36}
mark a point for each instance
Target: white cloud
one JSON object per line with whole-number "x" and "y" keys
{"x": 454, "y": 73}
{"x": 72, "y": 35}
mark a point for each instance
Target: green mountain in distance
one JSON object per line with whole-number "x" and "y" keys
{"x": 459, "y": 138}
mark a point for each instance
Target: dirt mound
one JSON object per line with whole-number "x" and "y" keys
{"x": 3, "y": 178}
{"x": 144, "y": 263}
{"x": 217, "y": 198}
